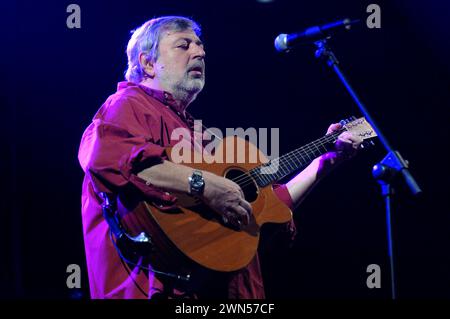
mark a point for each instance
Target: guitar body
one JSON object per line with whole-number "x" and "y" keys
{"x": 192, "y": 230}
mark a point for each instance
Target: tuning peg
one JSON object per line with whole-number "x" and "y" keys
{"x": 352, "y": 118}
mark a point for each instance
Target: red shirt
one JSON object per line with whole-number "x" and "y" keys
{"x": 131, "y": 130}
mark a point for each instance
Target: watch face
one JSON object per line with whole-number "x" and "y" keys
{"x": 197, "y": 181}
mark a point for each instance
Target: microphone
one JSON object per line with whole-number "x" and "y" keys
{"x": 284, "y": 42}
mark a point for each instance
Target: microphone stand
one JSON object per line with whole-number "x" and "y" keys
{"x": 384, "y": 172}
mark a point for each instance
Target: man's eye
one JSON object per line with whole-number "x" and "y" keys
{"x": 183, "y": 46}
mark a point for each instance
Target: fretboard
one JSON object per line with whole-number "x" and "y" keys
{"x": 288, "y": 163}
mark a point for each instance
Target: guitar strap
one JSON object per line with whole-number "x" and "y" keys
{"x": 138, "y": 246}
{"x": 131, "y": 248}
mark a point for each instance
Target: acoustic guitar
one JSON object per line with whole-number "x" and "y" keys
{"x": 192, "y": 230}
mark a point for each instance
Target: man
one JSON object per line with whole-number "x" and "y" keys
{"x": 123, "y": 151}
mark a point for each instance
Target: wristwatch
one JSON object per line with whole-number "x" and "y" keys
{"x": 196, "y": 183}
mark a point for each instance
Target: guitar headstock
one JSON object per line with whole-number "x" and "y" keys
{"x": 361, "y": 128}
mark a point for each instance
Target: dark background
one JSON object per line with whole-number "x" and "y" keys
{"x": 54, "y": 79}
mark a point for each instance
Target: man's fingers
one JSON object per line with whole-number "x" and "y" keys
{"x": 236, "y": 186}
{"x": 248, "y": 210}
{"x": 246, "y": 205}
{"x": 357, "y": 141}
{"x": 334, "y": 127}
{"x": 242, "y": 192}
{"x": 243, "y": 215}
{"x": 238, "y": 215}
{"x": 350, "y": 140}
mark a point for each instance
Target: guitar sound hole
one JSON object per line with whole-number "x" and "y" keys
{"x": 244, "y": 180}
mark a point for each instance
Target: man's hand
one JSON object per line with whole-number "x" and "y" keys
{"x": 227, "y": 199}
{"x": 346, "y": 145}
{"x": 221, "y": 194}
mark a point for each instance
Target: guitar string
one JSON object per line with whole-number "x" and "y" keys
{"x": 288, "y": 162}
{"x": 291, "y": 158}
{"x": 286, "y": 157}
{"x": 246, "y": 179}
{"x": 307, "y": 150}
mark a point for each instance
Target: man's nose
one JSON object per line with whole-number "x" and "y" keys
{"x": 199, "y": 52}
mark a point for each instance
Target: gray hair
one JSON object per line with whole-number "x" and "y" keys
{"x": 145, "y": 39}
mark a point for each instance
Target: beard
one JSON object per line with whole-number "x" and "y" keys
{"x": 186, "y": 87}
{"x": 190, "y": 83}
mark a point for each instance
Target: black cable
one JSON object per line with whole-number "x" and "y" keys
{"x": 179, "y": 277}
{"x": 124, "y": 262}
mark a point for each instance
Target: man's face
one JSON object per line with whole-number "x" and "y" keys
{"x": 180, "y": 67}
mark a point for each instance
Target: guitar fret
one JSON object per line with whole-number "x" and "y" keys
{"x": 282, "y": 166}
{"x": 324, "y": 148}
{"x": 307, "y": 155}
{"x": 303, "y": 159}
{"x": 289, "y": 164}
{"x": 319, "y": 153}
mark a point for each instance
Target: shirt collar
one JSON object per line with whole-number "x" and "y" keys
{"x": 164, "y": 97}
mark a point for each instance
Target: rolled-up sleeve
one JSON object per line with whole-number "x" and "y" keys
{"x": 117, "y": 146}
{"x": 283, "y": 194}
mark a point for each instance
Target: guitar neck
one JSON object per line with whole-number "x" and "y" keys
{"x": 288, "y": 163}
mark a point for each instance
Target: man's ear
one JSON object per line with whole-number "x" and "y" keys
{"x": 147, "y": 65}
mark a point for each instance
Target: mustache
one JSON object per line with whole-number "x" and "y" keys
{"x": 197, "y": 65}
